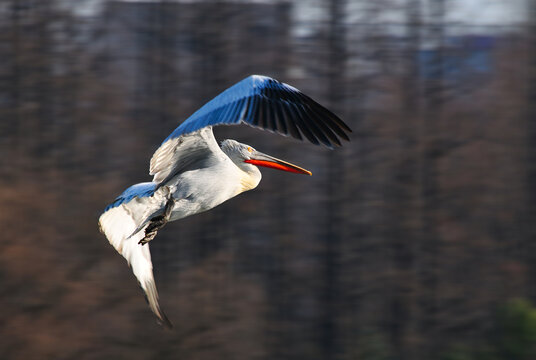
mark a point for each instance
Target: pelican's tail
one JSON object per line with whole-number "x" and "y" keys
{"x": 118, "y": 224}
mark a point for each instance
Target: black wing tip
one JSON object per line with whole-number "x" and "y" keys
{"x": 164, "y": 321}
{"x": 345, "y": 137}
{"x": 346, "y": 127}
{"x": 302, "y": 136}
{"x": 283, "y": 109}
{"x": 151, "y": 297}
{"x": 343, "y": 132}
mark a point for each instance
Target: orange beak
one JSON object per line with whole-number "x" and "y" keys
{"x": 260, "y": 159}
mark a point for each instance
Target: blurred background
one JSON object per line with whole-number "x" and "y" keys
{"x": 416, "y": 240}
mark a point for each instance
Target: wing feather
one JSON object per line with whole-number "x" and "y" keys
{"x": 258, "y": 101}
{"x": 193, "y": 150}
{"x": 118, "y": 223}
{"x": 290, "y": 113}
{"x": 265, "y": 94}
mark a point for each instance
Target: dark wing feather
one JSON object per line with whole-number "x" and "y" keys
{"x": 266, "y": 103}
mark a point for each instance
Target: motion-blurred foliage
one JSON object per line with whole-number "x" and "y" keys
{"x": 513, "y": 336}
{"x": 516, "y": 331}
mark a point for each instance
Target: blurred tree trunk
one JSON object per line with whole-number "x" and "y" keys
{"x": 403, "y": 228}
{"x": 13, "y": 83}
{"x": 44, "y": 89}
{"x": 431, "y": 151}
{"x": 332, "y": 257}
{"x": 530, "y": 249}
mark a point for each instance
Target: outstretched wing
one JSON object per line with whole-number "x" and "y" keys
{"x": 266, "y": 103}
{"x": 118, "y": 222}
{"x": 258, "y": 101}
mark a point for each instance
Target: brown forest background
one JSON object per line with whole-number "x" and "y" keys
{"x": 416, "y": 240}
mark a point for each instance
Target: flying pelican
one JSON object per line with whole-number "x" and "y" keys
{"x": 192, "y": 174}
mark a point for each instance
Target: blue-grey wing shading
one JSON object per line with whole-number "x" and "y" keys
{"x": 266, "y": 103}
{"x": 138, "y": 190}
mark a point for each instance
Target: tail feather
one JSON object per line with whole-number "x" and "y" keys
{"x": 118, "y": 225}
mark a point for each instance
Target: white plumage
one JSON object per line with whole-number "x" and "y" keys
{"x": 119, "y": 225}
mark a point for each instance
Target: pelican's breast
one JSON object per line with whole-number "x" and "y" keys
{"x": 247, "y": 182}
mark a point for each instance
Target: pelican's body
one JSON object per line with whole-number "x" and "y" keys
{"x": 192, "y": 173}
{"x": 210, "y": 182}
{"x": 219, "y": 181}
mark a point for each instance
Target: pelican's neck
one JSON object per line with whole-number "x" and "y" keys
{"x": 250, "y": 176}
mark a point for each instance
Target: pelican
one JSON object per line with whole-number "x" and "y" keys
{"x": 192, "y": 173}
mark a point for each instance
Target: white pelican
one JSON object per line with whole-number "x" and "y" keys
{"x": 192, "y": 174}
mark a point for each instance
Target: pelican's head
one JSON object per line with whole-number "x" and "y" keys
{"x": 247, "y": 158}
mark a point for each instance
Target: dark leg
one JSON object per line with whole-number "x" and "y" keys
{"x": 157, "y": 223}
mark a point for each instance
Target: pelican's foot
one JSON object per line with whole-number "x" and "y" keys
{"x": 152, "y": 229}
{"x": 157, "y": 223}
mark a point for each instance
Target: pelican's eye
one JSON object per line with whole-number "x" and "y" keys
{"x": 250, "y": 149}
